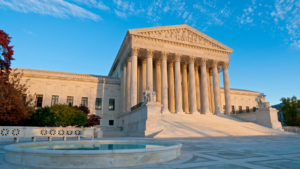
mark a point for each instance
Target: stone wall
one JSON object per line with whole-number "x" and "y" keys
{"x": 61, "y": 84}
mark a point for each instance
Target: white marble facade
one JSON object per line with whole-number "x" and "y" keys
{"x": 179, "y": 63}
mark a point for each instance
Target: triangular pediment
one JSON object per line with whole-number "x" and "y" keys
{"x": 182, "y": 34}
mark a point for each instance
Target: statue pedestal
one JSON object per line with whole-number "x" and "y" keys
{"x": 144, "y": 121}
{"x": 268, "y": 117}
{"x": 265, "y": 116}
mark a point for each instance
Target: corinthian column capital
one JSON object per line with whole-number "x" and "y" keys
{"x": 225, "y": 65}
{"x": 203, "y": 62}
{"x": 191, "y": 59}
{"x": 149, "y": 53}
{"x": 143, "y": 61}
{"x": 171, "y": 64}
{"x": 157, "y": 62}
{"x": 164, "y": 55}
{"x": 184, "y": 66}
{"x": 135, "y": 51}
{"x": 215, "y": 63}
{"x": 177, "y": 57}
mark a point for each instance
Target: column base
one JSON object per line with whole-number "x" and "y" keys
{"x": 206, "y": 112}
{"x": 195, "y": 112}
{"x": 166, "y": 111}
{"x": 218, "y": 113}
{"x": 179, "y": 112}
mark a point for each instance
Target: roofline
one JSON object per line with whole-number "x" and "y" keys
{"x": 66, "y": 73}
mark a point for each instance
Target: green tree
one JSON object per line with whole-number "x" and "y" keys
{"x": 67, "y": 115}
{"x": 291, "y": 114}
{"x": 43, "y": 117}
{"x": 64, "y": 114}
{"x": 79, "y": 118}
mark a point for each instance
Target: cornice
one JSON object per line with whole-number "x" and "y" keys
{"x": 242, "y": 92}
{"x": 45, "y": 74}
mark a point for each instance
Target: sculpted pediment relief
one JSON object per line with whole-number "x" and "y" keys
{"x": 183, "y": 34}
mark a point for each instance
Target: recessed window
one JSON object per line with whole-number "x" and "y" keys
{"x": 232, "y": 109}
{"x": 98, "y": 104}
{"x": 39, "y": 100}
{"x": 111, "y": 104}
{"x": 247, "y": 109}
{"x": 111, "y": 122}
{"x": 240, "y": 109}
{"x": 70, "y": 100}
{"x": 224, "y": 109}
{"x": 84, "y": 101}
{"x": 54, "y": 100}
{"x": 254, "y": 109}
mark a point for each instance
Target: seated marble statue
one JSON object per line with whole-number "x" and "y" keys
{"x": 149, "y": 96}
{"x": 262, "y": 103}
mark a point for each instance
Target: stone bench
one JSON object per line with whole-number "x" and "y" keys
{"x": 33, "y": 138}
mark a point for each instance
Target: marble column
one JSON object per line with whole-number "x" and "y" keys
{"x": 192, "y": 83}
{"x": 128, "y": 74}
{"x": 204, "y": 88}
{"x": 139, "y": 81}
{"x": 164, "y": 83}
{"x": 185, "y": 89}
{"x": 133, "y": 77}
{"x": 178, "y": 89}
{"x": 123, "y": 86}
{"x": 197, "y": 87}
{"x": 143, "y": 77}
{"x": 171, "y": 87}
{"x": 158, "y": 80}
{"x": 226, "y": 88}
{"x": 216, "y": 86}
{"x": 149, "y": 81}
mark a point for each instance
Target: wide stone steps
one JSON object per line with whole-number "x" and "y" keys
{"x": 197, "y": 125}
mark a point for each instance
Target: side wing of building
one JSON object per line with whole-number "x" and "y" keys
{"x": 99, "y": 93}
{"x": 102, "y": 93}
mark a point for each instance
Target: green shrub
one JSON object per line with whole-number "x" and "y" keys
{"x": 67, "y": 115}
{"x": 43, "y": 117}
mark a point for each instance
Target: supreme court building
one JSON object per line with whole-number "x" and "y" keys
{"x": 179, "y": 63}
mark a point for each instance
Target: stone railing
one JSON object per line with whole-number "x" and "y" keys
{"x": 292, "y": 129}
{"x": 19, "y": 131}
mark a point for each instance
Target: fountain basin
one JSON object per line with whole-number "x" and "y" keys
{"x": 92, "y": 154}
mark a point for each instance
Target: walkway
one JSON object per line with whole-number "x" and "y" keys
{"x": 257, "y": 152}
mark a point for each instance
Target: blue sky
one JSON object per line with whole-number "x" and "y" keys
{"x": 84, "y": 36}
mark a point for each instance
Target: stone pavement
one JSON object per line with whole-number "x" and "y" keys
{"x": 258, "y": 152}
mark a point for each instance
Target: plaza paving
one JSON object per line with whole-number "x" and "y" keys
{"x": 259, "y": 152}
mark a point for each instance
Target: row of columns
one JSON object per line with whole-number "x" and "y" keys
{"x": 164, "y": 73}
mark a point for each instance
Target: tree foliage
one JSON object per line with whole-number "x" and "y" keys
{"x": 93, "y": 120}
{"x": 44, "y": 116}
{"x": 83, "y": 108}
{"x": 6, "y": 52}
{"x": 13, "y": 109}
{"x": 67, "y": 115}
{"x": 13, "y": 106}
{"x": 291, "y": 114}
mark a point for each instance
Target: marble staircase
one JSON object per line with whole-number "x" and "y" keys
{"x": 198, "y": 125}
